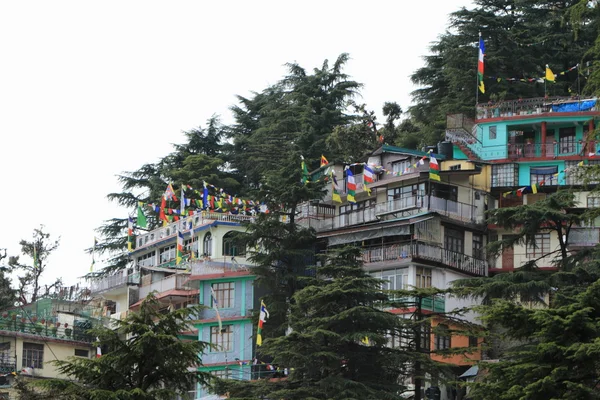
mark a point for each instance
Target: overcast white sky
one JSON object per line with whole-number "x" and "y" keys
{"x": 91, "y": 89}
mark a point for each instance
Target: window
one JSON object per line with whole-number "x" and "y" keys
{"x": 541, "y": 246}
{"x": 33, "y": 355}
{"x": 543, "y": 174}
{"x": 446, "y": 192}
{"x": 82, "y": 353}
{"x": 395, "y": 279}
{"x": 400, "y": 166}
{"x": 222, "y": 373}
{"x": 147, "y": 260}
{"x": 225, "y": 294}
{"x": 492, "y": 132}
{"x": 593, "y": 202}
{"x": 473, "y": 341}
{"x": 190, "y": 245}
{"x": 207, "y": 245}
{"x": 454, "y": 240}
{"x": 579, "y": 176}
{"x": 567, "y": 140}
{"x": 222, "y": 340}
{"x": 167, "y": 254}
{"x": 232, "y": 245}
{"x": 505, "y": 175}
{"x": 426, "y": 337}
{"x": 478, "y": 246}
{"x": 393, "y": 340}
{"x": 442, "y": 337}
{"x": 423, "y": 277}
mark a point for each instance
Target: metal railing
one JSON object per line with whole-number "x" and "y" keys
{"x": 204, "y": 218}
{"x": 47, "y": 329}
{"x": 550, "y": 150}
{"x": 425, "y": 251}
{"x": 172, "y": 282}
{"x": 532, "y": 106}
{"x": 209, "y": 267}
{"x": 114, "y": 281}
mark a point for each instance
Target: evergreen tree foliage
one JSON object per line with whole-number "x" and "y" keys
{"x": 38, "y": 249}
{"x": 145, "y": 361}
{"x": 202, "y": 158}
{"x": 329, "y": 319}
{"x": 521, "y": 37}
{"x": 7, "y": 293}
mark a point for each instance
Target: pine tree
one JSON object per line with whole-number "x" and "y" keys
{"x": 146, "y": 360}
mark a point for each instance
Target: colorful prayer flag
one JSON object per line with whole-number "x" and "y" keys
{"x": 534, "y": 188}
{"x": 434, "y": 168}
{"x": 549, "y": 74}
{"x": 264, "y": 314}
{"x": 350, "y": 186}
{"x": 480, "y": 68}
{"x": 369, "y": 174}
{"x": 179, "y": 252}
{"x": 170, "y": 193}
{"x": 130, "y": 234}
{"x": 323, "y": 160}
{"x": 98, "y": 349}
{"x": 161, "y": 215}
{"x": 141, "y": 218}
{"x": 335, "y": 195}
{"x": 205, "y": 196}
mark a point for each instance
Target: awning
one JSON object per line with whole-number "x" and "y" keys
{"x": 471, "y": 372}
{"x": 544, "y": 170}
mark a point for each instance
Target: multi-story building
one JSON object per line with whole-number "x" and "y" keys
{"x": 532, "y": 147}
{"x": 34, "y": 335}
{"x": 214, "y": 262}
{"x": 414, "y": 231}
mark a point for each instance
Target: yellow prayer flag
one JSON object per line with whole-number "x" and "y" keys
{"x": 549, "y": 74}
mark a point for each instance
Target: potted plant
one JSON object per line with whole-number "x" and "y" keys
{"x": 13, "y": 317}
{"x": 4, "y": 314}
{"x": 68, "y": 332}
{"x": 34, "y": 319}
{"x": 54, "y": 330}
{"x": 43, "y": 321}
{"x": 38, "y": 328}
{"x": 22, "y": 325}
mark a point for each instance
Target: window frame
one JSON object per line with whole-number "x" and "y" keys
{"x": 170, "y": 250}
{"x": 207, "y": 245}
{"x": 231, "y": 248}
{"x": 493, "y": 129}
{"x": 478, "y": 246}
{"x": 33, "y": 355}
{"x": 225, "y": 294}
{"x": 217, "y": 339}
{"x": 87, "y": 353}
{"x": 442, "y": 341}
{"x": 423, "y": 275}
{"x": 542, "y": 246}
{"x": 505, "y": 175}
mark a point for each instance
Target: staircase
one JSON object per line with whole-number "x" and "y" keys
{"x": 462, "y": 132}
{"x": 468, "y": 152}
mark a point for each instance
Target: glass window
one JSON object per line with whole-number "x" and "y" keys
{"x": 567, "y": 140}
{"x": 222, "y": 340}
{"x": 478, "y": 246}
{"x": 454, "y": 240}
{"x": 493, "y": 132}
{"x": 541, "y": 246}
{"x": 167, "y": 254}
{"x": 505, "y": 175}
{"x": 543, "y": 175}
{"x": 232, "y": 245}
{"x": 400, "y": 166}
{"x": 442, "y": 337}
{"x": 423, "y": 277}
{"x": 395, "y": 279}
{"x": 33, "y": 355}
{"x": 593, "y": 202}
{"x": 577, "y": 175}
{"x": 222, "y": 373}
{"x": 225, "y": 294}
{"x": 147, "y": 260}
{"x": 207, "y": 245}
{"x": 473, "y": 341}
{"x": 426, "y": 337}
{"x": 406, "y": 191}
{"x": 82, "y": 353}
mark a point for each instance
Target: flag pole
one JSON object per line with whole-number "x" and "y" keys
{"x": 477, "y": 73}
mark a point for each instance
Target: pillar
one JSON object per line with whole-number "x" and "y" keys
{"x": 589, "y": 137}
{"x": 543, "y": 146}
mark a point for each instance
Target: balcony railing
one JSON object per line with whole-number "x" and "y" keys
{"x": 584, "y": 237}
{"x": 205, "y": 267}
{"x": 409, "y": 205}
{"x": 204, "y": 218}
{"x": 173, "y": 282}
{"x": 48, "y": 329}
{"x": 424, "y": 251}
{"x": 550, "y": 150}
{"x": 114, "y": 281}
{"x": 533, "y": 106}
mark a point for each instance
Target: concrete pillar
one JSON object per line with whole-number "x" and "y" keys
{"x": 543, "y": 146}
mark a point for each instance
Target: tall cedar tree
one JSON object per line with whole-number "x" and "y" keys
{"x": 202, "y": 158}
{"x": 329, "y": 319}
{"x": 38, "y": 249}
{"x": 547, "y": 351}
{"x": 521, "y": 37}
{"x": 7, "y": 293}
{"x": 146, "y": 360}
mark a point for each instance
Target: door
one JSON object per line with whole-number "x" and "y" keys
{"x": 550, "y": 144}
{"x": 508, "y": 256}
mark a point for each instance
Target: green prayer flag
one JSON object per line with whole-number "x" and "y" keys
{"x": 141, "y": 218}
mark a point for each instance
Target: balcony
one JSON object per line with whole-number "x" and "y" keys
{"x": 205, "y": 268}
{"x": 534, "y": 106}
{"x": 584, "y": 237}
{"x": 550, "y": 150}
{"x": 172, "y": 282}
{"x": 48, "y": 329}
{"x": 407, "y": 251}
{"x": 111, "y": 282}
{"x": 169, "y": 231}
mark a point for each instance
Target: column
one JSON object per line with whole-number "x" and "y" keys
{"x": 590, "y": 134}
{"x": 543, "y": 146}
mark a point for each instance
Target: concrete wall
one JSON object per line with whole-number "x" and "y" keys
{"x": 242, "y": 346}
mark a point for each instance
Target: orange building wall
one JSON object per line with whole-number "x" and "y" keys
{"x": 455, "y": 341}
